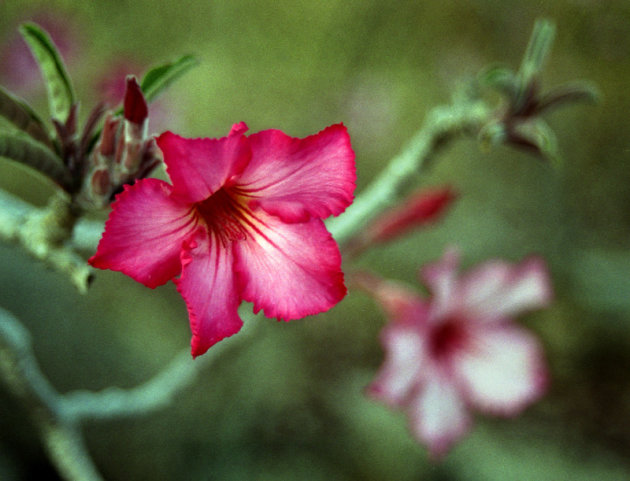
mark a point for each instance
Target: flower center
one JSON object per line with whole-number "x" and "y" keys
{"x": 224, "y": 216}
{"x": 447, "y": 338}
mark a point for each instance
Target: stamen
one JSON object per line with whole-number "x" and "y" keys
{"x": 447, "y": 338}
{"x": 225, "y": 216}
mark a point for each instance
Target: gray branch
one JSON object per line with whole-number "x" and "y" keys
{"x": 21, "y": 374}
{"x": 441, "y": 125}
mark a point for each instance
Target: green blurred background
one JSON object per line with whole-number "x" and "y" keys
{"x": 289, "y": 405}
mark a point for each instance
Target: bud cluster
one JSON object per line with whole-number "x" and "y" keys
{"x": 123, "y": 152}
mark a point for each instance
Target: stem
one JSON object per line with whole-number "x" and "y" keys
{"x": 442, "y": 124}
{"x": 158, "y": 392}
{"x": 67, "y": 451}
{"x": 58, "y": 417}
{"x": 20, "y": 372}
{"x": 44, "y": 233}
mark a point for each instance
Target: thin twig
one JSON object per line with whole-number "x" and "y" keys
{"x": 159, "y": 391}
{"x": 45, "y": 233}
{"x": 58, "y": 417}
{"x": 21, "y": 374}
{"x": 442, "y": 124}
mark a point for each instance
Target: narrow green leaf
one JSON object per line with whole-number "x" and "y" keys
{"x": 158, "y": 78}
{"x": 23, "y": 117}
{"x": 26, "y": 151}
{"x": 538, "y": 49}
{"x": 540, "y": 135}
{"x": 58, "y": 85}
{"x": 546, "y": 139}
{"x": 568, "y": 94}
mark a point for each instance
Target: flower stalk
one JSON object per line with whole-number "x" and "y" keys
{"x": 442, "y": 125}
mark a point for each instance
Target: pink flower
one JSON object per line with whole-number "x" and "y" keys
{"x": 242, "y": 220}
{"x": 460, "y": 350}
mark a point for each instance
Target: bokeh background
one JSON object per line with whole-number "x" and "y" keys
{"x": 289, "y": 404}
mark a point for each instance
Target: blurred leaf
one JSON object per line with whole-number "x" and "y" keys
{"x": 502, "y": 79}
{"x": 158, "y": 78}
{"x": 541, "y": 137}
{"x": 538, "y": 49}
{"x": 58, "y": 85}
{"x": 533, "y": 62}
{"x": 23, "y": 117}
{"x": 567, "y": 94}
{"x": 25, "y": 150}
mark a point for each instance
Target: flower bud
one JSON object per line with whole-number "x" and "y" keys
{"x": 123, "y": 152}
{"x": 419, "y": 209}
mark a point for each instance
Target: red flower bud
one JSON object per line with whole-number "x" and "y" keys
{"x": 421, "y": 208}
{"x": 135, "y": 106}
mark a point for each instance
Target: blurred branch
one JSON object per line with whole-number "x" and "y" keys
{"x": 441, "y": 125}
{"x": 159, "y": 391}
{"x": 156, "y": 393}
{"x": 58, "y": 417}
{"x": 21, "y": 374}
{"x": 44, "y": 233}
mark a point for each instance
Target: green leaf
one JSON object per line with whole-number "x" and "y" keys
{"x": 547, "y": 141}
{"x": 501, "y": 79}
{"x": 25, "y": 150}
{"x": 23, "y": 117}
{"x": 158, "y": 78}
{"x": 538, "y": 49}
{"x": 58, "y": 85}
{"x": 540, "y": 136}
{"x": 568, "y": 94}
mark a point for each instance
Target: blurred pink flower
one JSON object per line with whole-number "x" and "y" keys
{"x": 460, "y": 350}
{"x": 242, "y": 220}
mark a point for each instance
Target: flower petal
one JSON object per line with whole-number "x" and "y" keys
{"x": 289, "y": 270}
{"x": 144, "y": 233}
{"x": 503, "y": 371}
{"x": 200, "y": 167}
{"x": 400, "y": 303}
{"x": 438, "y": 415}
{"x": 401, "y": 372}
{"x": 497, "y": 289}
{"x": 296, "y": 179}
{"x": 441, "y": 277}
{"x": 210, "y": 291}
